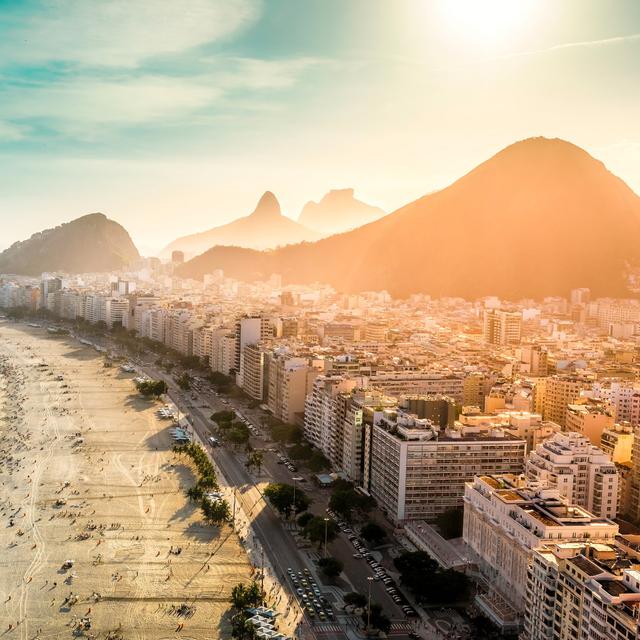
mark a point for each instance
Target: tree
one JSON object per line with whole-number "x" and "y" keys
{"x": 286, "y": 433}
{"x": 422, "y": 575}
{"x": 304, "y": 518}
{"x": 376, "y": 618}
{"x": 223, "y": 416}
{"x": 314, "y": 530}
{"x": 318, "y": 462}
{"x": 331, "y": 567}
{"x": 184, "y": 381}
{"x": 450, "y": 523}
{"x": 355, "y": 599}
{"x": 345, "y": 500}
{"x": 150, "y": 388}
{"x": 280, "y": 495}
{"x": 195, "y": 493}
{"x": 373, "y": 533}
{"x": 255, "y": 459}
{"x": 238, "y": 434}
{"x": 215, "y": 511}
{"x": 244, "y": 596}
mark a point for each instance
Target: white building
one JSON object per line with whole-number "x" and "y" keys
{"x": 505, "y": 519}
{"x": 581, "y": 472}
{"x": 417, "y": 472}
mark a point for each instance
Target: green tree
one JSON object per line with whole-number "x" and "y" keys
{"x": 215, "y": 512}
{"x": 373, "y": 533}
{"x": 377, "y": 619}
{"x": 281, "y": 497}
{"x": 314, "y": 530}
{"x": 304, "y": 518}
{"x": 422, "y": 575}
{"x": 318, "y": 462}
{"x": 244, "y": 596}
{"x": 255, "y": 460}
{"x": 184, "y": 381}
{"x": 331, "y": 567}
{"x": 150, "y": 388}
{"x": 346, "y": 501}
{"x": 223, "y": 416}
{"x": 355, "y": 599}
{"x": 195, "y": 493}
{"x": 300, "y": 452}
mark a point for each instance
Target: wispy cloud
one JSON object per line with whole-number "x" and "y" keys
{"x": 580, "y": 44}
{"x": 118, "y": 33}
{"x": 10, "y": 132}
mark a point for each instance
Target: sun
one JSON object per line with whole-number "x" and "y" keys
{"x": 489, "y": 21}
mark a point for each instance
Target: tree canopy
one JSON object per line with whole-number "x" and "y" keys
{"x": 331, "y": 567}
{"x": 280, "y": 495}
{"x": 430, "y": 584}
{"x": 373, "y": 533}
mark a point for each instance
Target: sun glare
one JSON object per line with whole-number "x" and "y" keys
{"x": 487, "y": 21}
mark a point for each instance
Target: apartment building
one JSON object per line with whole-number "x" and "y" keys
{"x": 617, "y": 442}
{"x": 505, "y": 519}
{"x": 223, "y": 350}
{"x": 439, "y": 409}
{"x": 178, "y": 331}
{"x": 501, "y": 327}
{"x": 397, "y": 383}
{"x": 559, "y": 392}
{"x": 623, "y": 396}
{"x": 322, "y": 423}
{"x": 581, "y": 590}
{"x": 581, "y": 472}
{"x": 417, "y": 471}
{"x": 290, "y": 380}
{"x": 254, "y": 379}
{"x": 249, "y": 330}
{"x": 203, "y": 343}
{"x": 590, "y": 419}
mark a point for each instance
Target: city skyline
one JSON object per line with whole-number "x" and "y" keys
{"x": 182, "y": 131}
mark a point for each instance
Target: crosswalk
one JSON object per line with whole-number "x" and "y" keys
{"x": 400, "y": 628}
{"x": 326, "y": 627}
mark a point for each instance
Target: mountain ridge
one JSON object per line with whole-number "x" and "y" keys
{"x": 90, "y": 243}
{"x": 538, "y": 218}
{"x": 265, "y": 227}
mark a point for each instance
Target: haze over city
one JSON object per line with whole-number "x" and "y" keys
{"x": 174, "y": 118}
{"x": 320, "y": 320}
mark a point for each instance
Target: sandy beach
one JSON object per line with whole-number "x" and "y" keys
{"x": 88, "y": 475}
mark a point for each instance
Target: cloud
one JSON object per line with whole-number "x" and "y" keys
{"x": 82, "y": 101}
{"x": 118, "y": 33}
{"x": 10, "y": 132}
{"x": 634, "y": 37}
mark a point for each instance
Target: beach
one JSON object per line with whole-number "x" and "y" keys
{"x": 96, "y": 532}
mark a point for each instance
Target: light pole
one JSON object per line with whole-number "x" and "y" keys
{"x": 326, "y": 524}
{"x": 370, "y": 581}
{"x": 293, "y": 504}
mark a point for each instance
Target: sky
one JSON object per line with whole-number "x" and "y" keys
{"x": 174, "y": 117}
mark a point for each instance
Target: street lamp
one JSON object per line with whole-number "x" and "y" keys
{"x": 293, "y": 504}
{"x": 370, "y": 581}
{"x": 326, "y": 523}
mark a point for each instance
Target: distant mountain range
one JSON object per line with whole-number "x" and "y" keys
{"x": 265, "y": 228}
{"x": 338, "y": 211}
{"x": 90, "y": 243}
{"x": 538, "y": 218}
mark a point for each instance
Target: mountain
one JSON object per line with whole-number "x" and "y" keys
{"x": 265, "y": 228}
{"x": 538, "y": 218}
{"x": 338, "y": 211}
{"x": 90, "y": 243}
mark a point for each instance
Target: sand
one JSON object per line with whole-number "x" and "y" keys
{"x": 87, "y": 474}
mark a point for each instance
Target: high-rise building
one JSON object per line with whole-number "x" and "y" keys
{"x": 502, "y": 327}
{"x": 581, "y": 589}
{"x": 177, "y": 257}
{"x": 290, "y": 380}
{"x": 617, "y": 442}
{"x": 590, "y": 419}
{"x": 559, "y": 392}
{"x": 249, "y": 330}
{"x": 581, "y": 472}
{"x": 505, "y": 519}
{"x": 417, "y": 471}
{"x": 254, "y": 377}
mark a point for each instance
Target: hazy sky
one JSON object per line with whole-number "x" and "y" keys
{"x": 174, "y": 116}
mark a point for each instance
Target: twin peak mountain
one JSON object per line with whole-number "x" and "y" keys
{"x": 267, "y": 228}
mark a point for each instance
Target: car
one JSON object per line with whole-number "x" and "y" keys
{"x": 357, "y": 555}
{"x": 329, "y": 612}
{"x": 376, "y": 578}
{"x": 310, "y": 612}
{"x": 300, "y": 592}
